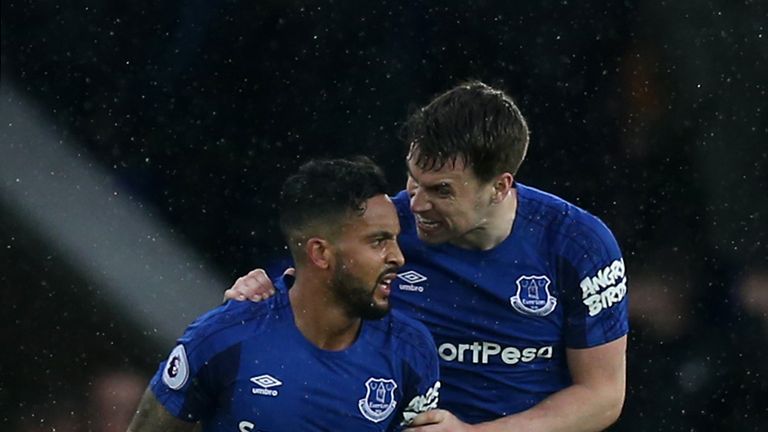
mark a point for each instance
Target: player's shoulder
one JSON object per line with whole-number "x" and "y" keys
{"x": 566, "y": 225}
{"x": 402, "y": 200}
{"x": 553, "y": 211}
{"x": 405, "y": 335}
{"x": 402, "y": 203}
{"x": 405, "y": 325}
{"x": 227, "y": 323}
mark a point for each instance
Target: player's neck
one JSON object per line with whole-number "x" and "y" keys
{"x": 320, "y": 319}
{"x": 494, "y": 229}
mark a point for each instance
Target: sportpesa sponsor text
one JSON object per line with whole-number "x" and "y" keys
{"x": 481, "y": 352}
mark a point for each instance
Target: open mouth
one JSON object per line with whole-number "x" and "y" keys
{"x": 385, "y": 282}
{"x": 425, "y": 224}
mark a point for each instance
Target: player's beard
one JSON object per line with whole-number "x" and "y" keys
{"x": 356, "y": 297}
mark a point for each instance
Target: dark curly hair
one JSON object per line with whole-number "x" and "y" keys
{"x": 325, "y": 192}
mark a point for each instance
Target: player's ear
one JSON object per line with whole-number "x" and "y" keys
{"x": 319, "y": 252}
{"x": 502, "y": 185}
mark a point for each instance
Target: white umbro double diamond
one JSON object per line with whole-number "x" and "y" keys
{"x": 266, "y": 382}
{"x": 412, "y": 277}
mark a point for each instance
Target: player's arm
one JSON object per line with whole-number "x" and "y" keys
{"x": 592, "y": 403}
{"x": 595, "y": 333}
{"x": 152, "y": 416}
{"x": 597, "y": 361}
{"x": 185, "y": 387}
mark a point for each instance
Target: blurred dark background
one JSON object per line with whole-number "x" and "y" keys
{"x": 651, "y": 115}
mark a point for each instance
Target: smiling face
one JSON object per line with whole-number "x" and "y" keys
{"x": 367, "y": 257}
{"x": 450, "y": 204}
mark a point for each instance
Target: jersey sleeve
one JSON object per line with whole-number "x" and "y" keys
{"x": 185, "y": 383}
{"x": 422, "y": 375}
{"x": 594, "y": 279}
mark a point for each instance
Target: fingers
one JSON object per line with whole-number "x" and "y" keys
{"x": 257, "y": 285}
{"x": 233, "y": 294}
{"x": 434, "y": 427}
{"x": 429, "y": 417}
{"x": 437, "y": 420}
{"x": 254, "y": 286}
{"x": 290, "y": 271}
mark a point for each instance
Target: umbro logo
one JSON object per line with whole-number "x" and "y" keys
{"x": 265, "y": 383}
{"x": 411, "y": 278}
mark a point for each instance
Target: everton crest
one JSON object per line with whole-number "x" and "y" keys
{"x": 533, "y": 297}
{"x": 379, "y": 401}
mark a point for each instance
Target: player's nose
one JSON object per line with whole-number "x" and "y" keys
{"x": 395, "y": 256}
{"x": 419, "y": 201}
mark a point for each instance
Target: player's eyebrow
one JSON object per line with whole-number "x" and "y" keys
{"x": 440, "y": 182}
{"x": 382, "y": 235}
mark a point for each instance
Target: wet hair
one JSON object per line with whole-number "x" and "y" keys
{"x": 473, "y": 121}
{"x": 324, "y": 193}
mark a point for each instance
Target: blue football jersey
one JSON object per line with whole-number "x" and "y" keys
{"x": 502, "y": 318}
{"x": 246, "y": 367}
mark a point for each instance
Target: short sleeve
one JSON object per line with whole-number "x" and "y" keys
{"x": 185, "y": 383}
{"x": 594, "y": 281}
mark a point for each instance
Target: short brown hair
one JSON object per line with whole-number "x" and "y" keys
{"x": 473, "y": 121}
